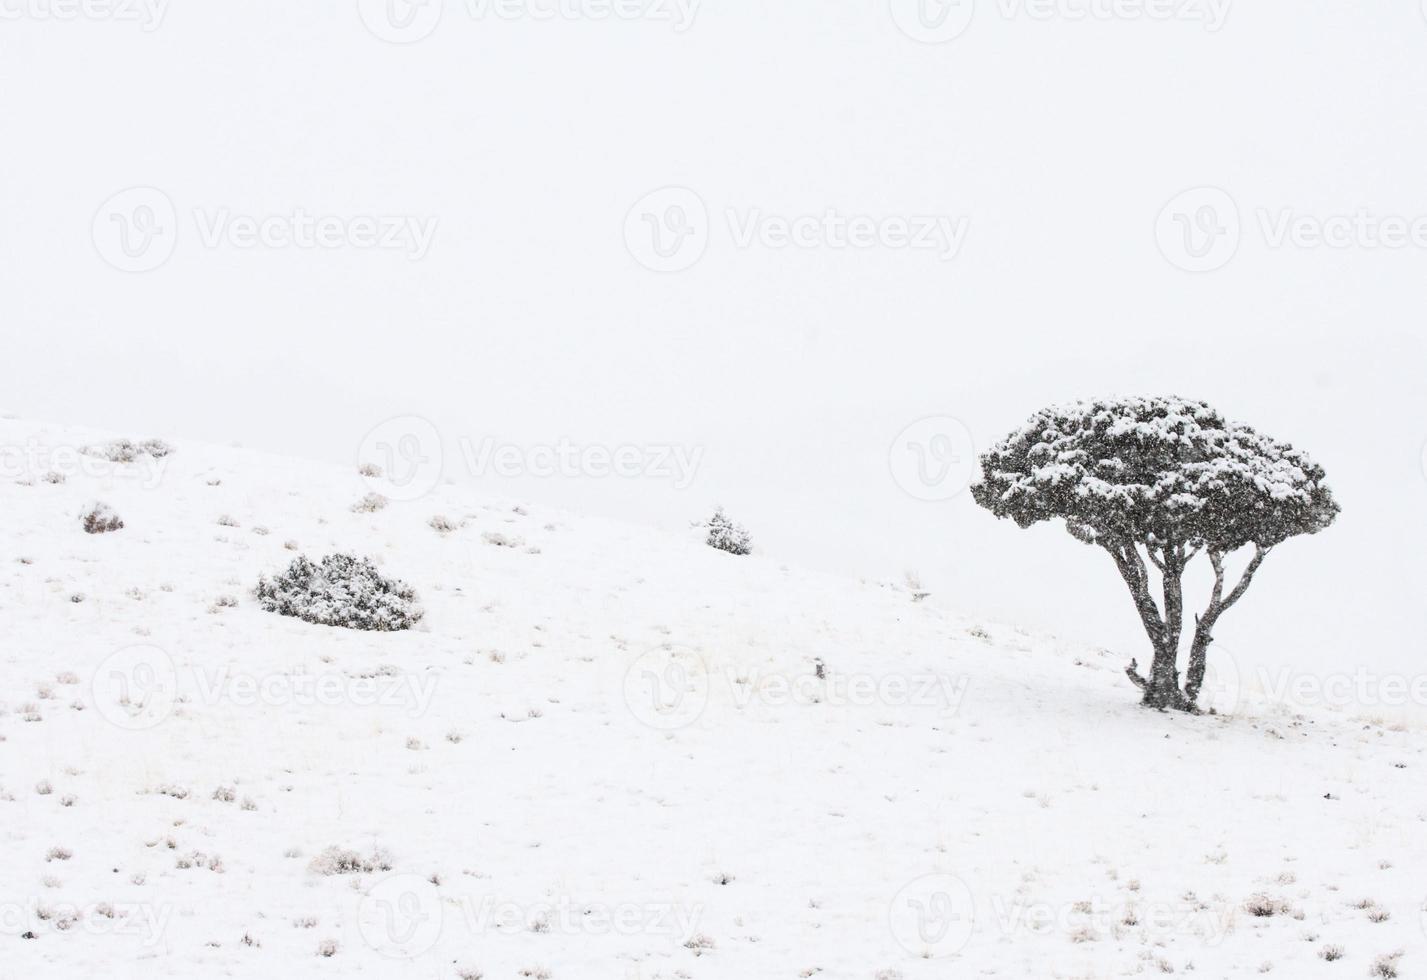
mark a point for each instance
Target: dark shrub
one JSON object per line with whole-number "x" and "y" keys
{"x": 728, "y": 536}
{"x": 342, "y": 591}
{"x": 99, "y": 518}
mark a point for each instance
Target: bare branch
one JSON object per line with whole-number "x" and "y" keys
{"x": 1133, "y": 673}
{"x": 1158, "y": 562}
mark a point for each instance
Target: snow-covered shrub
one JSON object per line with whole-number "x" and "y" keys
{"x": 99, "y": 518}
{"x": 442, "y": 524}
{"x": 369, "y": 504}
{"x": 370, "y": 469}
{"x": 1263, "y": 906}
{"x": 725, "y": 535}
{"x": 341, "y": 591}
{"x": 126, "y": 450}
{"x": 1385, "y": 965}
{"x": 1157, "y": 481}
{"x": 345, "y": 861}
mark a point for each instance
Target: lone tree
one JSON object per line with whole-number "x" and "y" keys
{"x": 1158, "y": 481}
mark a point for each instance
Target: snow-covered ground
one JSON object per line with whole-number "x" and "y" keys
{"x": 608, "y": 752}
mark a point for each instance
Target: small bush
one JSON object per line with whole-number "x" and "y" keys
{"x": 442, "y": 524}
{"x": 728, "y": 536}
{"x": 1385, "y": 966}
{"x": 1330, "y": 953}
{"x": 126, "y": 451}
{"x": 1264, "y": 906}
{"x": 99, "y": 518}
{"x": 344, "y": 861}
{"x": 369, "y": 504}
{"x": 342, "y": 591}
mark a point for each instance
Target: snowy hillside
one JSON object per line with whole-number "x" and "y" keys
{"x": 606, "y": 752}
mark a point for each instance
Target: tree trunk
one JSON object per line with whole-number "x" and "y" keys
{"x": 1198, "y": 660}
{"x": 1162, "y": 686}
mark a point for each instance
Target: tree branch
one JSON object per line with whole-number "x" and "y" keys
{"x": 1136, "y": 576}
{"x": 1133, "y": 673}
{"x": 1260, "y": 553}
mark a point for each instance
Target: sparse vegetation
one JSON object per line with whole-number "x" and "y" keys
{"x": 127, "y": 451}
{"x": 99, "y": 518}
{"x": 370, "y": 504}
{"x": 344, "y": 861}
{"x": 1385, "y": 965}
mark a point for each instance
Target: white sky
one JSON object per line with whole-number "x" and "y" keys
{"x": 529, "y": 320}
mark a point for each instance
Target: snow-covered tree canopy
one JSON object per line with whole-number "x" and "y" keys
{"x": 1158, "y": 481}
{"x": 1155, "y": 471}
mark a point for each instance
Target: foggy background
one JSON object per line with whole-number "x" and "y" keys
{"x": 1061, "y": 140}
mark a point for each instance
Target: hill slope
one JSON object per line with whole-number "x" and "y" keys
{"x": 610, "y": 753}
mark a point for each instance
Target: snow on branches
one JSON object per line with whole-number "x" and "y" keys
{"x": 1155, "y": 471}
{"x": 1172, "y": 477}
